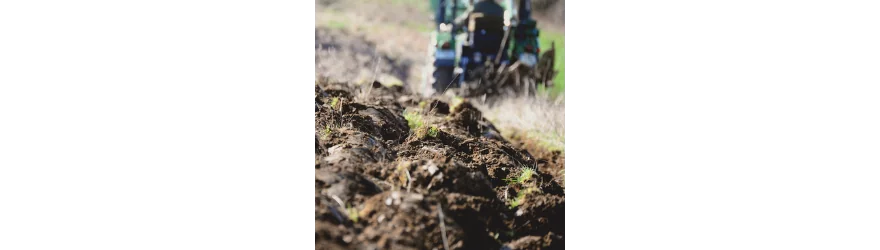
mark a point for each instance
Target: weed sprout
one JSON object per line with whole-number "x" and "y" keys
{"x": 433, "y": 131}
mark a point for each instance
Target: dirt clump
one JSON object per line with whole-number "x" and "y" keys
{"x": 394, "y": 170}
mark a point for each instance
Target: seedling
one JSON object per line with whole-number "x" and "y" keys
{"x": 334, "y": 102}
{"x": 433, "y": 131}
{"x": 352, "y": 213}
{"x": 421, "y": 132}
{"x": 521, "y": 183}
{"x": 521, "y": 196}
{"x": 326, "y": 132}
{"x": 413, "y": 119}
{"x": 525, "y": 174}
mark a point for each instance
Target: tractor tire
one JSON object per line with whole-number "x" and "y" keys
{"x": 444, "y": 79}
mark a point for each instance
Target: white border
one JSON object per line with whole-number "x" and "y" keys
{"x": 723, "y": 125}
{"x": 156, "y": 124}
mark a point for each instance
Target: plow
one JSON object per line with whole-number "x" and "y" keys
{"x": 487, "y": 49}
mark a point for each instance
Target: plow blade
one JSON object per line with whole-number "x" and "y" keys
{"x": 501, "y": 80}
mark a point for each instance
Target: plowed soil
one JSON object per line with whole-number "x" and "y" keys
{"x": 451, "y": 183}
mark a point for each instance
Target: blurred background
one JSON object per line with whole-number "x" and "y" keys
{"x": 387, "y": 40}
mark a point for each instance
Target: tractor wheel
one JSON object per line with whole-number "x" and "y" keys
{"x": 444, "y": 78}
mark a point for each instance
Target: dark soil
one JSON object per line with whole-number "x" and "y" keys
{"x": 380, "y": 184}
{"x": 552, "y": 162}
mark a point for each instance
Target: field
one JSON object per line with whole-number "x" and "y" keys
{"x": 396, "y": 168}
{"x": 397, "y": 171}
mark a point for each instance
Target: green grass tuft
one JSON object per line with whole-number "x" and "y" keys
{"x": 336, "y": 24}
{"x": 433, "y": 131}
{"x": 334, "y": 103}
{"x": 326, "y": 133}
{"x": 414, "y": 119}
{"x": 522, "y": 183}
{"x": 352, "y": 214}
{"x": 521, "y": 196}
{"x": 525, "y": 174}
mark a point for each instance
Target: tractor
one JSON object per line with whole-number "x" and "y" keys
{"x": 487, "y": 48}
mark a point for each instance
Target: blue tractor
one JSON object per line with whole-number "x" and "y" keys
{"x": 487, "y": 47}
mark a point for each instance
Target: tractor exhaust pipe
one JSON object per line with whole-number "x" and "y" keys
{"x": 524, "y": 12}
{"x": 440, "y": 17}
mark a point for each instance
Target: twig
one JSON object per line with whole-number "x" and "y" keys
{"x": 444, "y": 90}
{"x": 336, "y": 198}
{"x": 503, "y": 45}
{"x": 512, "y": 158}
{"x": 408, "y": 181}
{"x": 376, "y": 67}
{"x": 442, "y": 226}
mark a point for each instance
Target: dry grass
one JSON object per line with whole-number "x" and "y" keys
{"x": 540, "y": 119}
{"x": 384, "y": 40}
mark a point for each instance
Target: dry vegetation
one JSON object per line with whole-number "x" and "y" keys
{"x": 369, "y": 40}
{"x": 540, "y": 120}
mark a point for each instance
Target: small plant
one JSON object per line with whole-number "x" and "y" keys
{"x": 521, "y": 196}
{"x": 521, "y": 182}
{"x": 352, "y": 213}
{"x": 413, "y": 119}
{"x": 421, "y": 132}
{"x": 326, "y": 132}
{"x": 525, "y": 174}
{"x": 418, "y": 125}
{"x": 433, "y": 131}
{"x": 334, "y": 103}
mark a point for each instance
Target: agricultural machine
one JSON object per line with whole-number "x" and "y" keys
{"x": 487, "y": 48}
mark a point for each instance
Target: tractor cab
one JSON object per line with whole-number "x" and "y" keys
{"x": 486, "y": 35}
